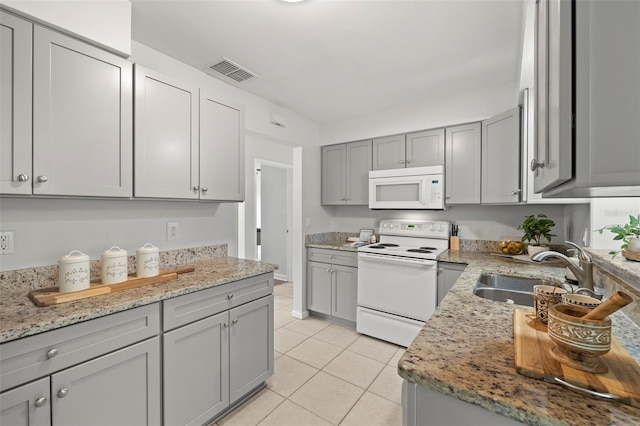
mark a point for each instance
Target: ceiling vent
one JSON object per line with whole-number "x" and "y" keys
{"x": 233, "y": 70}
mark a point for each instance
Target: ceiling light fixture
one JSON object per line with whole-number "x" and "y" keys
{"x": 292, "y": 1}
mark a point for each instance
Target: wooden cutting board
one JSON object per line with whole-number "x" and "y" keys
{"x": 532, "y": 344}
{"x": 52, "y": 296}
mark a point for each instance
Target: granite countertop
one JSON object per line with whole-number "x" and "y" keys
{"x": 465, "y": 350}
{"x": 332, "y": 245}
{"x": 20, "y": 317}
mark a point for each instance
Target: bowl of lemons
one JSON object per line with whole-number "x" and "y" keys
{"x": 511, "y": 246}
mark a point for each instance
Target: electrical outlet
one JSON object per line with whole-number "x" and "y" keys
{"x": 6, "y": 242}
{"x": 173, "y": 231}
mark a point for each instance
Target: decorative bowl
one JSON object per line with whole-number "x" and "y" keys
{"x": 511, "y": 246}
{"x": 580, "y": 300}
{"x": 578, "y": 342}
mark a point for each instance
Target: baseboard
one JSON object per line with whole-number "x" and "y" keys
{"x": 281, "y": 277}
{"x": 300, "y": 315}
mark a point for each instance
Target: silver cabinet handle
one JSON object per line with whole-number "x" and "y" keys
{"x": 235, "y": 321}
{"x": 226, "y": 324}
{"x": 40, "y": 402}
{"x": 196, "y": 188}
{"x": 42, "y": 178}
{"x": 402, "y": 161}
{"x": 52, "y": 353}
{"x": 516, "y": 192}
{"x": 63, "y": 392}
{"x": 535, "y": 165}
{"x": 329, "y": 270}
{"x": 205, "y": 189}
{"x": 448, "y": 196}
{"x": 23, "y": 178}
{"x": 230, "y": 296}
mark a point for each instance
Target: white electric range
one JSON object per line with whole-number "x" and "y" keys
{"x": 397, "y": 279}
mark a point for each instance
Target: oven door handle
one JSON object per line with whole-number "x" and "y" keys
{"x": 421, "y": 263}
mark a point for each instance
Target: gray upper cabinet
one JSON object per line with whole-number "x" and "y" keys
{"x": 82, "y": 118}
{"x": 345, "y": 173}
{"x": 15, "y": 107}
{"x": 389, "y": 152}
{"x": 607, "y": 108}
{"x": 425, "y": 148}
{"x": 501, "y": 147}
{"x": 221, "y": 149}
{"x": 462, "y": 171}
{"x": 166, "y": 137}
{"x": 553, "y": 149}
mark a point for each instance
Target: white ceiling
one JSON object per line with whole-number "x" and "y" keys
{"x": 331, "y": 60}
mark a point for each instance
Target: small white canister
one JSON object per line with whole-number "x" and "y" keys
{"x": 147, "y": 261}
{"x": 73, "y": 272}
{"x": 114, "y": 265}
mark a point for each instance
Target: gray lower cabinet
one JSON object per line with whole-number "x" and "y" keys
{"x": 448, "y": 273}
{"x": 425, "y": 406}
{"x": 332, "y": 283}
{"x": 26, "y": 405}
{"x": 219, "y": 349}
{"x": 121, "y": 388}
{"x": 78, "y": 374}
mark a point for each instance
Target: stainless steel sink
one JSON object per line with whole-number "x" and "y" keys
{"x": 508, "y": 288}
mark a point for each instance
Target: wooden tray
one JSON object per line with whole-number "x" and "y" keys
{"x": 532, "y": 344}
{"x": 51, "y": 296}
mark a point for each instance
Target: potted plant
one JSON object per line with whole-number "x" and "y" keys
{"x": 537, "y": 228}
{"x": 629, "y": 234}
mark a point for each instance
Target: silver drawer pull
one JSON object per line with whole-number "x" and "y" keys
{"x": 40, "y": 402}
{"x": 235, "y": 321}
{"x": 42, "y": 178}
{"x": 196, "y": 188}
{"x": 516, "y": 192}
{"x": 63, "y": 392}
{"x": 535, "y": 165}
{"x": 226, "y": 324}
{"x": 230, "y": 296}
{"x": 52, "y": 353}
{"x": 23, "y": 178}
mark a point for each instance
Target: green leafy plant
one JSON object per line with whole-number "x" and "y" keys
{"x": 630, "y": 229}
{"x": 536, "y": 228}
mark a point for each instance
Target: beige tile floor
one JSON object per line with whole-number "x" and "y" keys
{"x": 325, "y": 374}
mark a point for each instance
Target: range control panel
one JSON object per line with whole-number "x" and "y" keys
{"x": 414, "y": 228}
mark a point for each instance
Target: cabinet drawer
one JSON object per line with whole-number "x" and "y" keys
{"x": 337, "y": 257}
{"x": 43, "y": 354}
{"x": 201, "y": 304}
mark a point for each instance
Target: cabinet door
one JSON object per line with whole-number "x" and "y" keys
{"x": 166, "y": 131}
{"x": 448, "y": 273}
{"x": 345, "y": 292}
{"x": 389, "y": 152}
{"x": 27, "y": 405}
{"x": 334, "y": 170}
{"x": 501, "y": 147}
{"x": 221, "y": 149}
{"x": 553, "y": 95}
{"x": 462, "y": 172}
{"x": 250, "y": 346}
{"x": 121, "y": 388}
{"x": 359, "y": 157}
{"x": 196, "y": 375}
{"x": 15, "y": 105}
{"x": 319, "y": 287}
{"x": 82, "y": 118}
{"x": 425, "y": 148}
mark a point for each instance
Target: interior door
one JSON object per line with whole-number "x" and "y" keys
{"x": 274, "y": 229}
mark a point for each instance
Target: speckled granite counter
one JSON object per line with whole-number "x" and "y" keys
{"x": 20, "y": 317}
{"x": 330, "y": 240}
{"x": 466, "y": 351}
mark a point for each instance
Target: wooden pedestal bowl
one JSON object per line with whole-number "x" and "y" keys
{"x": 578, "y": 342}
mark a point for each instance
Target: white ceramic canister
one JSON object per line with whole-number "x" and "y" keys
{"x": 147, "y": 261}
{"x": 114, "y": 265}
{"x": 73, "y": 272}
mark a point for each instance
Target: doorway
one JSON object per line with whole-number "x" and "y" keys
{"x": 274, "y": 206}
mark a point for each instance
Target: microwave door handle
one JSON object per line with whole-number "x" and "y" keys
{"x": 423, "y": 192}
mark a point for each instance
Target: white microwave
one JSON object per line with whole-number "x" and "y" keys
{"x": 414, "y": 188}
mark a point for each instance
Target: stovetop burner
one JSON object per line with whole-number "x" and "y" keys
{"x": 377, "y": 247}
{"x": 419, "y": 250}
{"x": 388, "y": 245}
{"x": 428, "y": 248}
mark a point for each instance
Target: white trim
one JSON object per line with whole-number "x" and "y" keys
{"x": 300, "y": 315}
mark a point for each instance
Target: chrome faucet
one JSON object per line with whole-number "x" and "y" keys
{"x": 583, "y": 272}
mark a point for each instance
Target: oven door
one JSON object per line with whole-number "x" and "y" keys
{"x": 397, "y": 285}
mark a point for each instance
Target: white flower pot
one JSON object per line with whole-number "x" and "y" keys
{"x": 634, "y": 244}
{"x": 532, "y": 250}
